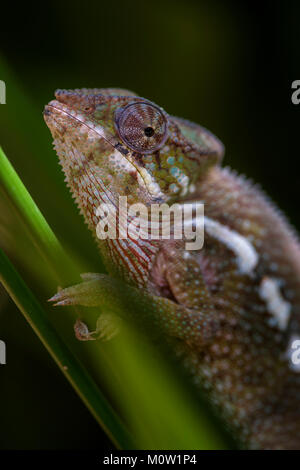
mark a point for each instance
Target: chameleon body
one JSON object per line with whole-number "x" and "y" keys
{"x": 232, "y": 307}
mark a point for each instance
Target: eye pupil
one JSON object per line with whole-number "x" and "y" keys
{"x": 149, "y": 131}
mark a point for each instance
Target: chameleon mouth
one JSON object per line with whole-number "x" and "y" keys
{"x": 56, "y": 111}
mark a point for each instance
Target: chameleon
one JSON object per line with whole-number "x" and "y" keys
{"x": 231, "y": 308}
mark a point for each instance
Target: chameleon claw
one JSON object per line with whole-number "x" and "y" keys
{"x": 54, "y": 298}
{"x": 82, "y": 332}
{"x": 107, "y": 327}
{"x": 62, "y": 303}
{"x": 61, "y": 299}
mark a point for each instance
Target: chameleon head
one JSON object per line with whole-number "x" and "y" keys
{"x": 132, "y": 145}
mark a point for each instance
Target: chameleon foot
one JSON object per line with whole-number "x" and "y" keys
{"x": 82, "y": 332}
{"x": 107, "y": 327}
{"x": 87, "y": 293}
{"x": 149, "y": 312}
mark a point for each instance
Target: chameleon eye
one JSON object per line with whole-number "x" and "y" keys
{"x": 142, "y": 127}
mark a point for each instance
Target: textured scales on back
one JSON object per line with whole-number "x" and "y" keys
{"x": 232, "y": 306}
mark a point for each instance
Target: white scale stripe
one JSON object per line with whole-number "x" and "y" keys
{"x": 247, "y": 259}
{"x": 247, "y": 256}
{"x": 269, "y": 291}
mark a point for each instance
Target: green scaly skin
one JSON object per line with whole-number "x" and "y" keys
{"x": 232, "y": 307}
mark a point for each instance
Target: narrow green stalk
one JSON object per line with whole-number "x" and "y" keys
{"x": 50, "y": 248}
{"x": 41, "y": 234}
{"x": 72, "y": 369}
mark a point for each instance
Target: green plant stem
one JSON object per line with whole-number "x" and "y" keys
{"x": 63, "y": 268}
{"x": 72, "y": 369}
{"x": 39, "y": 230}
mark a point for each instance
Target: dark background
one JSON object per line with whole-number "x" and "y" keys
{"x": 226, "y": 65}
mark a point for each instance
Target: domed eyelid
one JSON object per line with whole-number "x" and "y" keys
{"x": 119, "y": 111}
{"x": 133, "y": 103}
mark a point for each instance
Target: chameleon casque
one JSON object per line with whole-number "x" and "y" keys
{"x": 232, "y": 307}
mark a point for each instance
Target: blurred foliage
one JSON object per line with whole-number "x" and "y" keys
{"x": 227, "y": 65}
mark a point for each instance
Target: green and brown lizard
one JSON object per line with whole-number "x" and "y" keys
{"x": 232, "y": 307}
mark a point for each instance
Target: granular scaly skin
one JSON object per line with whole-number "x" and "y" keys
{"x": 233, "y": 306}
